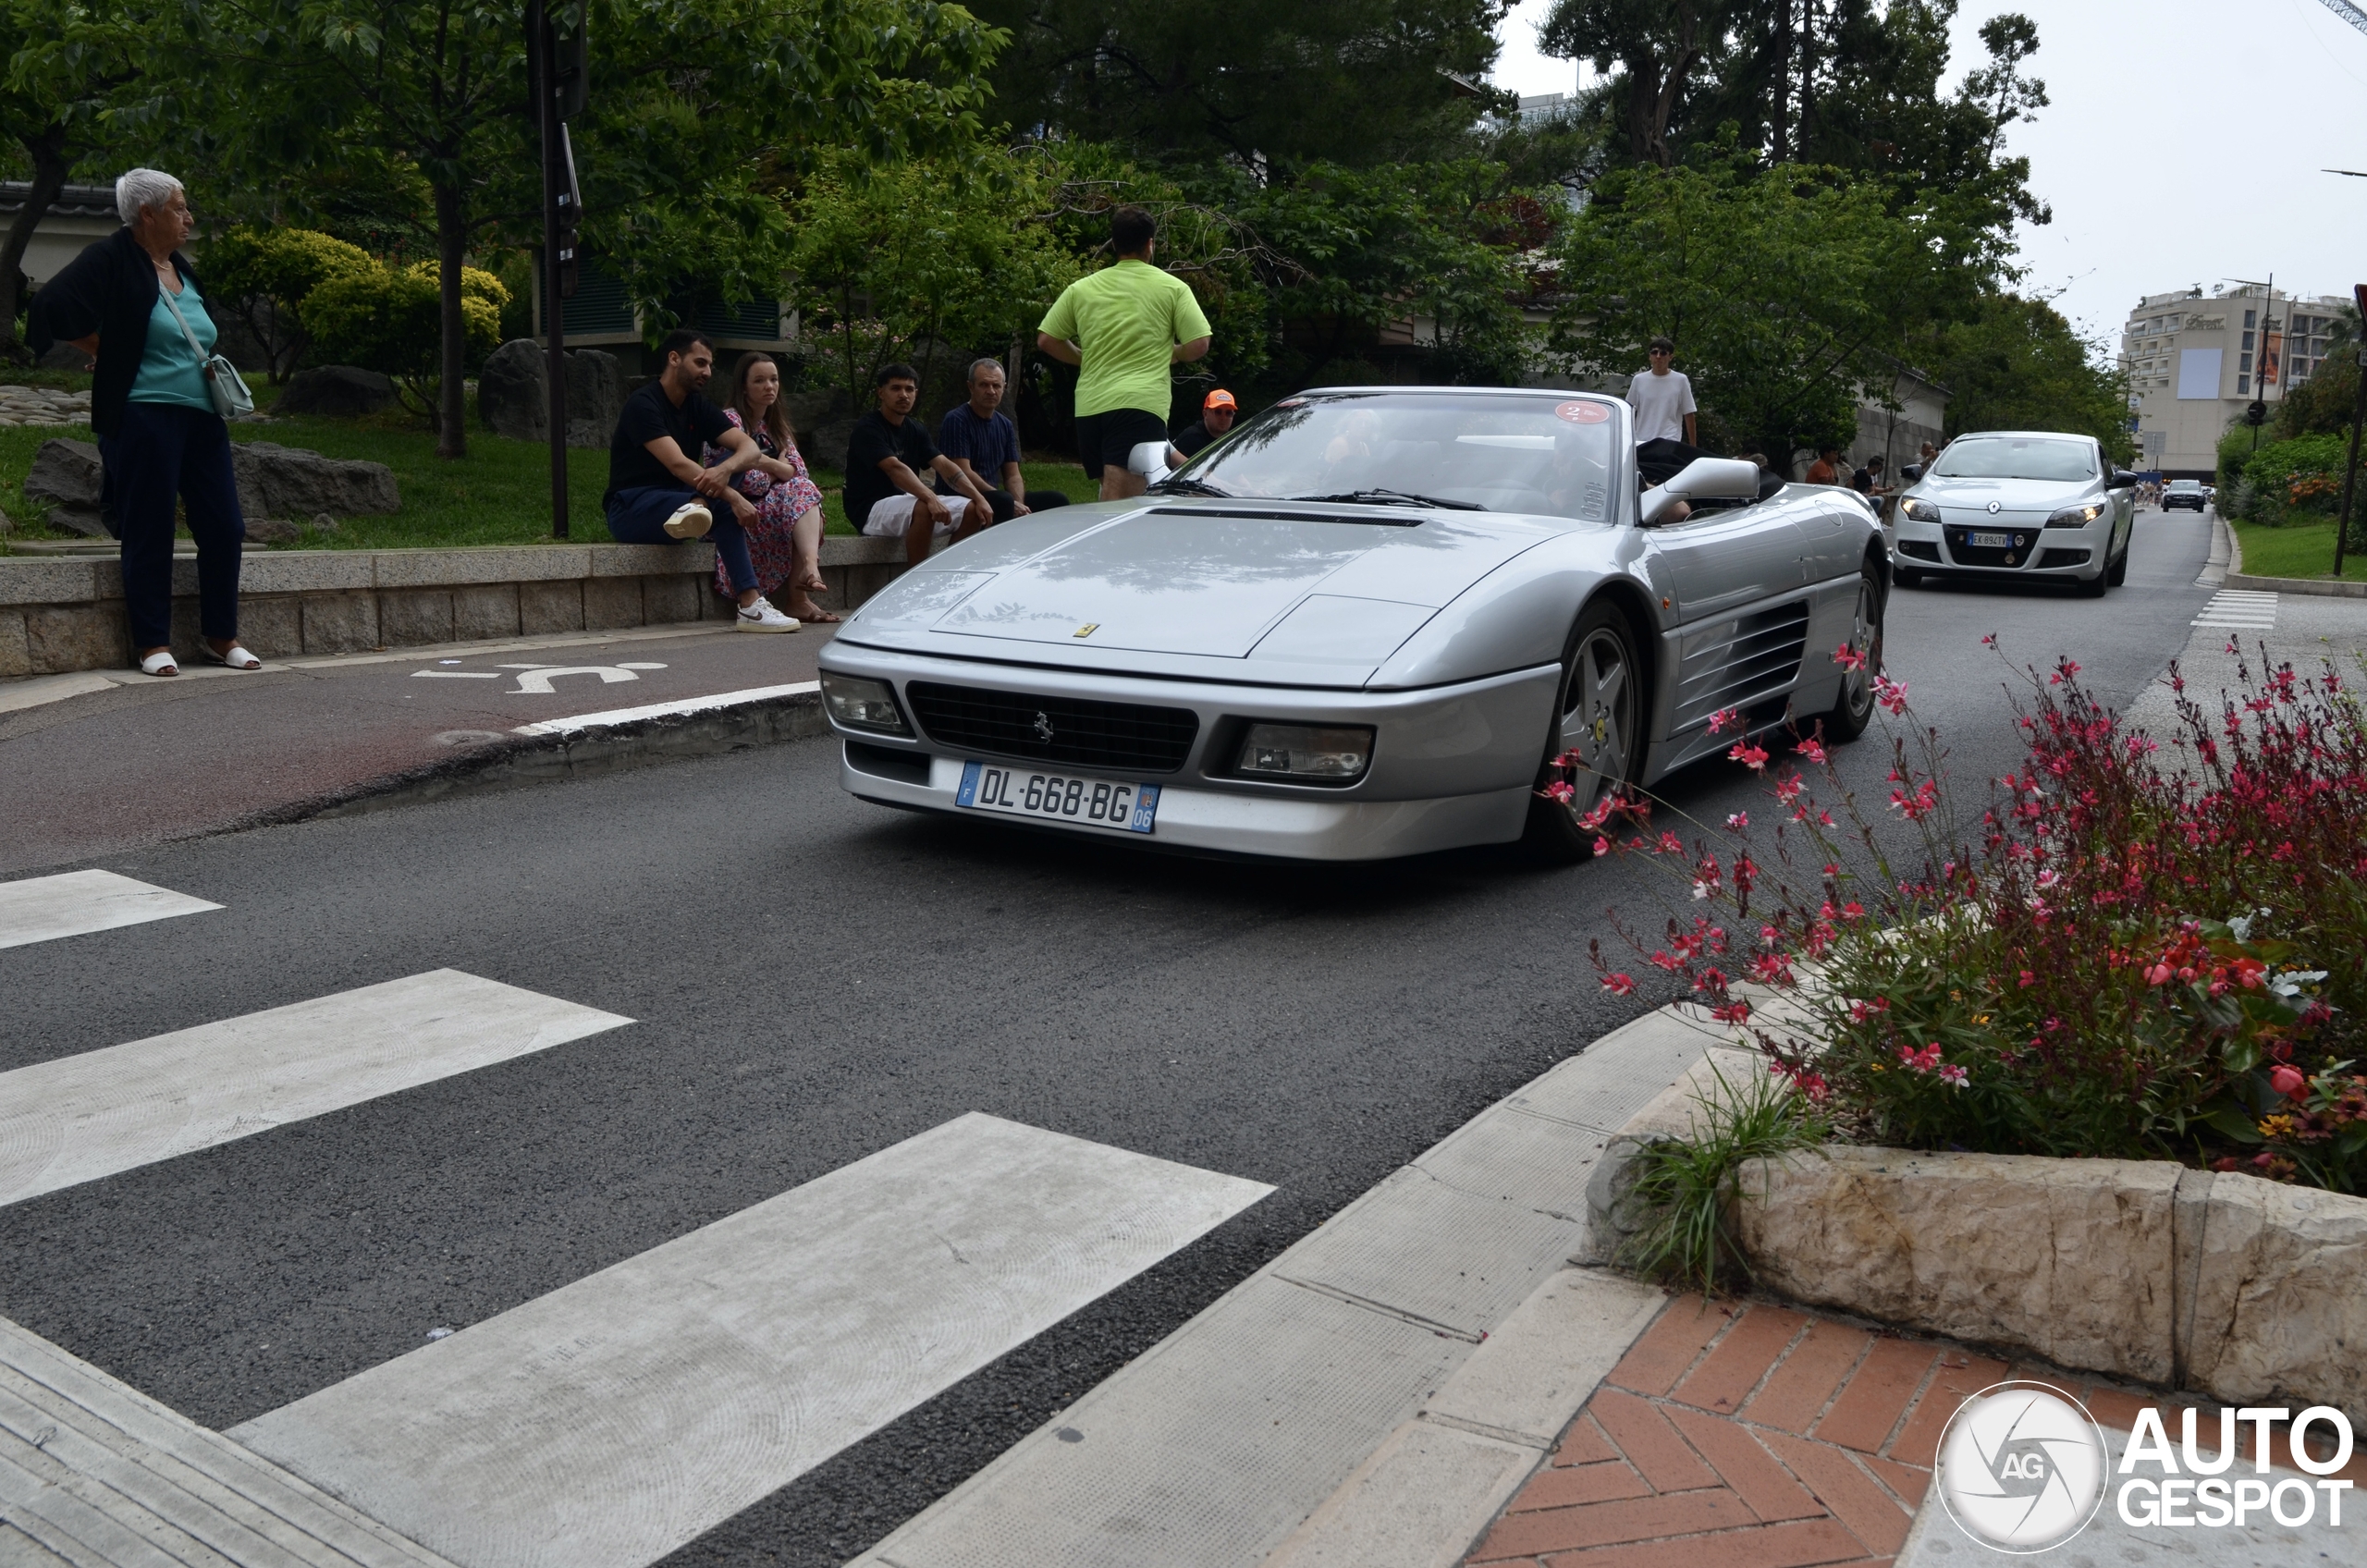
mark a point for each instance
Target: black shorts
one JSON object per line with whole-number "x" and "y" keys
{"x": 1106, "y": 440}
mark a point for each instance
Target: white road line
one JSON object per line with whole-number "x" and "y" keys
{"x": 83, "y": 1117}
{"x": 609, "y": 1422}
{"x": 455, "y": 675}
{"x": 2239, "y": 609}
{"x": 664, "y": 710}
{"x": 41, "y": 909}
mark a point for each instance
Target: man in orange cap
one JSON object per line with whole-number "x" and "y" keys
{"x": 1216, "y": 417}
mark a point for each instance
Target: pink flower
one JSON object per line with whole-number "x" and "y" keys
{"x": 1739, "y": 821}
{"x": 1558, "y": 791}
{"x": 1725, "y": 719}
{"x": 1891, "y": 694}
{"x": 1732, "y": 1012}
{"x": 1750, "y": 756}
{"x": 1811, "y": 749}
{"x": 1619, "y": 985}
{"x": 1848, "y": 657}
{"x": 1602, "y": 846}
{"x": 1670, "y": 844}
{"x": 1955, "y": 1077}
{"x": 2287, "y": 1081}
{"x": 2029, "y": 979}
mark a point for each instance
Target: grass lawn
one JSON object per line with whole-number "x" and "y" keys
{"x": 498, "y": 494}
{"x": 2305, "y": 551}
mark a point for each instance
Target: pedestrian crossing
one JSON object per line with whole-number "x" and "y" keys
{"x": 618, "y": 1418}
{"x": 42, "y": 909}
{"x": 2241, "y": 610}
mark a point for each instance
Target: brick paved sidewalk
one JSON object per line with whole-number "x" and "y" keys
{"x": 1743, "y": 1435}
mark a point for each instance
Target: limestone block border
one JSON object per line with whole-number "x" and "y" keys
{"x": 59, "y": 614}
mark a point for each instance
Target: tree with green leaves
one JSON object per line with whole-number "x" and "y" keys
{"x": 1267, "y": 88}
{"x": 69, "y": 65}
{"x": 889, "y": 263}
{"x": 2013, "y": 363}
{"x": 1790, "y": 293}
{"x": 683, "y": 162}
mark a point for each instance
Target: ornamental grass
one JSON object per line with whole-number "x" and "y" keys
{"x": 2140, "y": 950}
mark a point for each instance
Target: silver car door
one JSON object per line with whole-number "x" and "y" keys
{"x": 1739, "y": 620}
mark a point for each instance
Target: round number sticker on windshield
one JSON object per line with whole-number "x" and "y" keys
{"x": 1583, "y": 414}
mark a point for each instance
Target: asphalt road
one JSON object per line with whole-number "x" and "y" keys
{"x": 815, "y": 978}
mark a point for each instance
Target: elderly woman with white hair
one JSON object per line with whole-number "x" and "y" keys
{"x": 131, "y": 301}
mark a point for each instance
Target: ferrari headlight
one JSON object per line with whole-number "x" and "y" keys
{"x": 2077, "y": 517}
{"x": 1327, "y": 755}
{"x": 1919, "y": 509}
{"x": 863, "y": 705}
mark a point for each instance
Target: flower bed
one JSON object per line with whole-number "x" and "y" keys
{"x": 2139, "y": 950}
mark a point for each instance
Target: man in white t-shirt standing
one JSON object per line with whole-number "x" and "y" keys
{"x": 1663, "y": 398}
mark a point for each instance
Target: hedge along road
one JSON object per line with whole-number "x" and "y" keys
{"x": 811, "y": 980}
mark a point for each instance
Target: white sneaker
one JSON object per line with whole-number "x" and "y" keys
{"x": 691, "y": 523}
{"x": 762, "y": 617}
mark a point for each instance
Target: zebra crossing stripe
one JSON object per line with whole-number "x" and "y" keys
{"x": 607, "y": 1423}
{"x": 42, "y": 909}
{"x": 2247, "y": 609}
{"x": 102, "y": 1112}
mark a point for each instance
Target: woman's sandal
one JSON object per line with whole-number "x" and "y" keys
{"x": 818, "y": 615}
{"x": 237, "y": 658}
{"x": 159, "y": 663}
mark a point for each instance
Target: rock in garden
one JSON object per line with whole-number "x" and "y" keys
{"x": 84, "y": 521}
{"x": 826, "y": 445}
{"x": 65, "y": 356}
{"x": 272, "y": 530}
{"x": 65, "y": 472}
{"x": 512, "y": 400}
{"x": 343, "y": 391}
{"x": 276, "y": 480}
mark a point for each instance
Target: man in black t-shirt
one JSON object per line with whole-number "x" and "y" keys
{"x": 886, "y": 454}
{"x": 1217, "y": 412}
{"x": 659, "y": 494}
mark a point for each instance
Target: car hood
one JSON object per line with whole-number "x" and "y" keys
{"x": 2011, "y": 495}
{"x": 1197, "y": 580}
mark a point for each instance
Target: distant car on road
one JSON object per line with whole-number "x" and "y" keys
{"x": 2020, "y": 503}
{"x": 1373, "y": 622}
{"x": 2187, "y": 493}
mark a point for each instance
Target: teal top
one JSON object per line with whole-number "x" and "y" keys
{"x": 170, "y": 371}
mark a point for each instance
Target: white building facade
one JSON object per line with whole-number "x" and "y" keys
{"x": 2195, "y": 362}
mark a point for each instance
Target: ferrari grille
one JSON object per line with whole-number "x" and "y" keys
{"x": 1121, "y": 737}
{"x": 1741, "y": 662}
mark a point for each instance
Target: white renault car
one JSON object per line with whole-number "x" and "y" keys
{"x": 2020, "y": 504}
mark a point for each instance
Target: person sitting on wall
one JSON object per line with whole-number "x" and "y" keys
{"x": 980, "y": 437}
{"x": 659, "y": 494}
{"x": 890, "y": 450}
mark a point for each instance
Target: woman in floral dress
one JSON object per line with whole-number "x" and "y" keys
{"x": 785, "y": 538}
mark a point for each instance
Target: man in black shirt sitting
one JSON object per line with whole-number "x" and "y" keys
{"x": 659, "y": 494}
{"x": 888, "y": 452}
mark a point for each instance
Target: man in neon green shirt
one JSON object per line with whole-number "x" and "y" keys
{"x": 1123, "y": 326}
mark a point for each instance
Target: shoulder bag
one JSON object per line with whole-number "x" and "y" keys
{"x": 223, "y": 382}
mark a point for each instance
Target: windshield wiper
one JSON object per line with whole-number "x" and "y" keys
{"x": 1189, "y": 487}
{"x": 1396, "y": 498}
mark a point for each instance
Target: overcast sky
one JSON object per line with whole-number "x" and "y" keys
{"x": 2182, "y": 146}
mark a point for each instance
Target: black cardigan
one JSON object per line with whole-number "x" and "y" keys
{"x": 111, "y": 289}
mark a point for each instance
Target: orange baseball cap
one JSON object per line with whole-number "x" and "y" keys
{"x": 1220, "y": 399}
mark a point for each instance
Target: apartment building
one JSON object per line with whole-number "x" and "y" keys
{"x": 2195, "y": 362}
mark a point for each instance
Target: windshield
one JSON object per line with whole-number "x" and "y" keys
{"x": 2016, "y": 456}
{"x": 1551, "y": 454}
{"x": 2186, "y": 485}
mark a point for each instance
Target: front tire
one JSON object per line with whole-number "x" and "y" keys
{"x": 1848, "y": 717}
{"x": 2117, "y": 572}
{"x": 1598, "y": 715}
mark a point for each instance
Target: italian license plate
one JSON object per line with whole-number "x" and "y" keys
{"x": 1990, "y": 541}
{"x": 1058, "y": 797}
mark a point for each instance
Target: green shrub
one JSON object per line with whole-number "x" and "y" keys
{"x": 1679, "y": 1213}
{"x": 263, "y": 275}
{"x": 388, "y": 319}
{"x": 2300, "y": 476}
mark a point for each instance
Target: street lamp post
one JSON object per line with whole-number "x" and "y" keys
{"x": 2357, "y": 419}
{"x": 556, "y": 76}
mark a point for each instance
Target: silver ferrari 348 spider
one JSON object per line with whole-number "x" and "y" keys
{"x": 1372, "y": 622}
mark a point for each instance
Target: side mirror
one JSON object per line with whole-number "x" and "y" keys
{"x": 1703, "y": 479}
{"x": 2121, "y": 479}
{"x": 1149, "y": 459}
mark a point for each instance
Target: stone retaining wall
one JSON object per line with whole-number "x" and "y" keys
{"x": 63, "y": 613}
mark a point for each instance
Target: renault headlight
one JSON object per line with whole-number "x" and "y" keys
{"x": 1919, "y": 509}
{"x": 863, "y": 705}
{"x": 2077, "y": 517}
{"x": 1308, "y": 755}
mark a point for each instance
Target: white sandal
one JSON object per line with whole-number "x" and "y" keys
{"x": 237, "y": 658}
{"x": 159, "y": 663}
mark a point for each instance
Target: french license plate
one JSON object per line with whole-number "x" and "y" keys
{"x": 1058, "y": 797}
{"x": 1990, "y": 541}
